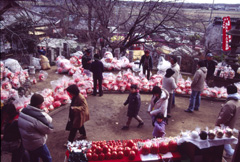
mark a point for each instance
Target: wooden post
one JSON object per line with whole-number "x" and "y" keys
{"x": 179, "y": 60}
{"x": 66, "y": 50}
{"x": 78, "y": 48}
{"x": 130, "y": 55}
{"x": 103, "y": 51}
{"x": 52, "y": 55}
{"x": 117, "y": 53}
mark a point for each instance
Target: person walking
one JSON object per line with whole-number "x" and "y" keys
{"x": 134, "y": 104}
{"x": 78, "y": 113}
{"x": 197, "y": 87}
{"x": 34, "y": 125}
{"x": 176, "y": 68}
{"x": 10, "y": 136}
{"x": 229, "y": 114}
{"x": 169, "y": 84}
{"x": 159, "y": 126}
{"x": 159, "y": 103}
{"x": 146, "y": 62}
{"x": 87, "y": 59}
{"x": 97, "y": 69}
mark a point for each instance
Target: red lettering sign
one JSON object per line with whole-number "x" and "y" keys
{"x": 226, "y": 26}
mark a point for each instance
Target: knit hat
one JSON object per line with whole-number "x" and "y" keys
{"x": 96, "y": 57}
{"x": 133, "y": 86}
{"x": 36, "y": 99}
{"x": 89, "y": 50}
{"x": 169, "y": 73}
{"x": 231, "y": 89}
{"x": 73, "y": 89}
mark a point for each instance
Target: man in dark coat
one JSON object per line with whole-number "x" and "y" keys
{"x": 134, "y": 103}
{"x": 146, "y": 62}
{"x": 210, "y": 65}
{"x": 87, "y": 59}
{"x": 97, "y": 69}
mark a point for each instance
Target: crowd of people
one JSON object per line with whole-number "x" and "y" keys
{"x": 26, "y": 131}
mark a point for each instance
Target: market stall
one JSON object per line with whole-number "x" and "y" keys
{"x": 191, "y": 145}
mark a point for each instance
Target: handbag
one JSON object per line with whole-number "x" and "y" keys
{"x": 10, "y": 146}
{"x": 69, "y": 125}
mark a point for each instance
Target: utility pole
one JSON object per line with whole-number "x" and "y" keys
{"x": 211, "y": 12}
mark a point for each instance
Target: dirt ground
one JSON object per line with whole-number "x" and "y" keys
{"x": 108, "y": 115}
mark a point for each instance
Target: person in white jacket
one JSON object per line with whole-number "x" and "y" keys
{"x": 176, "y": 68}
{"x": 169, "y": 84}
{"x": 34, "y": 125}
{"x": 159, "y": 102}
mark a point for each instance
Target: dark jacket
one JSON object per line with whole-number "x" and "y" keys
{"x": 85, "y": 60}
{"x": 78, "y": 112}
{"x": 210, "y": 65}
{"x": 97, "y": 69}
{"x": 11, "y": 131}
{"x": 134, "y": 101}
{"x": 149, "y": 64}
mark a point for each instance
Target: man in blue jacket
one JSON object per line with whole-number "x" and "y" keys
{"x": 97, "y": 69}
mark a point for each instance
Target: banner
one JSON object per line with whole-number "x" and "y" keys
{"x": 226, "y": 26}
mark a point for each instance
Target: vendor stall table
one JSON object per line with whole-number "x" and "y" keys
{"x": 205, "y": 150}
{"x": 174, "y": 156}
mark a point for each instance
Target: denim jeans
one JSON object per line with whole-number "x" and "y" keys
{"x": 42, "y": 152}
{"x": 228, "y": 149}
{"x": 18, "y": 154}
{"x": 173, "y": 98}
{"x": 195, "y": 100}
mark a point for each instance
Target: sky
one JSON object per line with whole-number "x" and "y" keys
{"x": 215, "y": 1}
{"x": 203, "y": 1}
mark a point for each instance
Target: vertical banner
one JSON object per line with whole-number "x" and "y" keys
{"x": 226, "y": 26}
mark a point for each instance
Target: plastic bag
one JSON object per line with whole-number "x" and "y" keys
{"x": 15, "y": 82}
{"x": 6, "y": 85}
{"x": 79, "y": 54}
{"x": 163, "y": 65}
{"x": 4, "y": 95}
{"x": 36, "y": 63}
{"x": 12, "y": 65}
{"x": 108, "y": 56}
{"x": 42, "y": 75}
{"x": 135, "y": 66}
